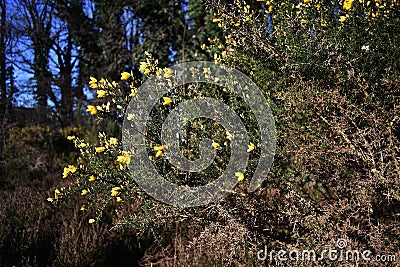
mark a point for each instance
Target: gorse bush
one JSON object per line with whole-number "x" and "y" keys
{"x": 330, "y": 72}
{"x": 100, "y": 174}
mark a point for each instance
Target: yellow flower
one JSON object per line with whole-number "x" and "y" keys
{"x": 50, "y": 199}
{"x": 57, "y": 193}
{"x": 121, "y": 159}
{"x": 342, "y": 18}
{"x": 119, "y": 199}
{"x": 72, "y": 168}
{"x": 167, "y": 101}
{"x": 92, "y": 109}
{"x": 125, "y": 76}
{"x": 102, "y": 81}
{"x": 83, "y": 207}
{"x": 159, "y": 153}
{"x": 100, "y": 149}
{"x": 92, "y": 80}
{"x": 94, "y": 86}
{"x": 101, "y": 93}
{"x": 92, "y": 220}
{"x": 159, "y": 71}
{"x": 216, "y": 20}
{"x": 81, "y": 145}
{"x": 93, "y": 83}
{"x": 307, "y": 1}
{"x": 214, "y": 144}
{"x": 168, "y": 73}
{"x": 240, "y": 176}
{"x": 65, "y": 172}
{"x": 115, "y": 191}
{"x": 158, "y": 148}
{"x": 124, "y": 158}
{"x": 84, "y": 192}
{"x": 92, "y": 178}
{"x": 70, "y": 137}
{"x": 127, "y": 157}
{"x": 251, "y": 147}
{"x": 347, "y": 4}
{"x": 144, "y": 66}
{"x": 113, "y": 141}
{"x": 133, "y": 92}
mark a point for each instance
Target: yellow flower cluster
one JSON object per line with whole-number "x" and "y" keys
{"x": 68, "y": 170}
{"x": 159, "y": 150}
{"x": 57, "y": 194}
{"x": 167, "y": 101}
{"x": 246, "y": 15}
{"x": 251, "y": 147}
{"x": 93, "y": 83}
{"x": 240, "y": 176}
{"x": 124, "y": 159}
{"x": 347, "y": 4}
{"x": 215, "y": 145}
{"x": 125, "y": 76}
{"x": 115, "y": 191}
{"x": 100, "y": 149}
{"x": 134, "y": 91}
{"x": 100, "y": 86}
{"x": 101, "y": 93}
{"x": 343, "y": 18}
{"x": 112, "y": 141}
{"x": 106, "y": 88}
{"x": 91, "y": 109}
{"x": 145, "y": 68}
